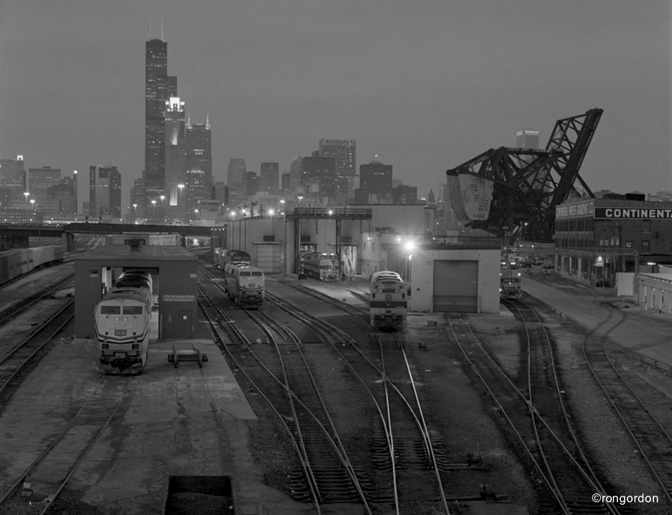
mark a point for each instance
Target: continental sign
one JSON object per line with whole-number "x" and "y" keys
{"x": 575, "y": 210}
{"x": 632, "y": 212}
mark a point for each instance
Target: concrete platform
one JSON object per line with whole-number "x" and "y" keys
{"x": 645, "y": 334}
{"x": 173, "y": 421}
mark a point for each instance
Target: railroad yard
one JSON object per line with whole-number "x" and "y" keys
{"x": 473, "y": 414}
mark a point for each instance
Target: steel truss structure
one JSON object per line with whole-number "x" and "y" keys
{"x": 530, "y": 183}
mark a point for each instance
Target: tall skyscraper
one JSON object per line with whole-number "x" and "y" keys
{"x": 198, "y": 161}
{"x": 39, "y": 180}
{"x": 13, "y": 180}
{"x": 269, "y": 177}
{"x": 344, "y": 152}
{"x": 316, "y": 176}
{"x": 62, "y": 197}
{"x": 104, "y": 191}
{"x": 176, "y": 139}
{"x": 236, "y": 173}
{"x": 159, "y": 87}
{"x": 375, "y": 183}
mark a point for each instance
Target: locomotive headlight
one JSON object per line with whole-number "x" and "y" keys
{"x": 409, "y": 246}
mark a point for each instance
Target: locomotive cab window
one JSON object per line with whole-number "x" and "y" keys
{"x": 132, "y": 310}
{"x": 110, "y": 310}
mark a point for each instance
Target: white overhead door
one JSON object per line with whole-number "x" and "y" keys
{"x": 455, "y": 286}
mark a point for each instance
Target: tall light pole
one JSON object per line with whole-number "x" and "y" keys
{"x": 163, "y": 212}
{"x": 26, "y": 194}
{"x": 135, "y": 219}
{"x": 154, "y": 211}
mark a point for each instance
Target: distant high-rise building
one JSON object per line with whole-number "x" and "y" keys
{"x": 252, "y": 184}
{"x": 176, "y": 137}
{"x": 159, "y": 87}
{"x": 63, "y": 198}
{"x": 344, "y": 152}
{"x": 221, "y": 193}
{"x": 236, "y": 172}
{"x": 269, "y": 177}
{"x": 284, "y": 186}
{"x": 137, "y": 205}
{"x": 405, "y": 194}
{"x": 199, "y": 164}
{"x": 375, "y": 182}
{"x": 527, "y": 138}
{"x": 13, "y": 180}
{"x": 38, "y": 182}
{"x": 317, "y": 177}
{"x": 104, "y": 192}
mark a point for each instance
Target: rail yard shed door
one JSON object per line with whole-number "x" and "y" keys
{"x": 455, "y": 286}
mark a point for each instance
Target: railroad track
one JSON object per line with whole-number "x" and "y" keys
{"x": 648, "y": 434}
{"x": 403, "y": 443}
{"x": 18, "y": 362}
{"x": 47, "y": 475}
{"x": 569, "y": 482}
{"x": 327, "y": 475}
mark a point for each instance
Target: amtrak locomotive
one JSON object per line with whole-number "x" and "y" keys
{"x": 320, "y": 266}
{"x": 122, "y": 319}
{"x": 244, "y": 284}
{"x": 388, "y": 300}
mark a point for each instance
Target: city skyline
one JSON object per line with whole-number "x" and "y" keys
{"x": 426, "y": 88}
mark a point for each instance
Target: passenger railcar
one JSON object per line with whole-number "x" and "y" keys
{"x": 320, "y": 266}
{"x": 244, "y": 284}
{"x": 17, "y": 262}
{"x": 388, "y": 301}
{"x": 510, "y": 284}
{"x": 122, "y": 321}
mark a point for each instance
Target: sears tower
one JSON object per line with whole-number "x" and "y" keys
{"x": 159, "y": 87}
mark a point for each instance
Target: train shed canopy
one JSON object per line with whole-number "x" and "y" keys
{"x": 175, "y": 283}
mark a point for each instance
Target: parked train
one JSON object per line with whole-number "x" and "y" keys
{"x": 17, "y": 262}
{"x": 388, "y": 300}
{"x": 244, "y": 284}
{"x": 319, "y": 265}
{"x": 223, "y": 257}
{"x": 510, "y": 283}
{"x": 122, "y": 319}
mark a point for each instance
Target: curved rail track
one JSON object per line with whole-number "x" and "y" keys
{"x": 403, "y": 443}
{"x": 569, "y": 482}
{"x": 646, "y": 432}
{"x": 49, "y": 473}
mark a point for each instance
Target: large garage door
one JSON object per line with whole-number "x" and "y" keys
{"x": 456, "y": 286}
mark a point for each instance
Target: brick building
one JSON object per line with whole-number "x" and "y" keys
{"x": 596, "y": 238}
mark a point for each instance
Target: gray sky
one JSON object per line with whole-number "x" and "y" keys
{"x": 427, "y": 85}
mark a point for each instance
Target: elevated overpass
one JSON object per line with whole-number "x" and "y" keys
{"x": 13, "y": 236}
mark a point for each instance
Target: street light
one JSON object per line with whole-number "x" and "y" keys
{"x": 26, "y": 194}
{"x": 135, "y": 215}
{"x": 154, "y": 210}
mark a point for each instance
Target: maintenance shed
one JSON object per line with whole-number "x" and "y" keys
{"x": 451, "y": 277}
{"x": 174, "y": 285}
